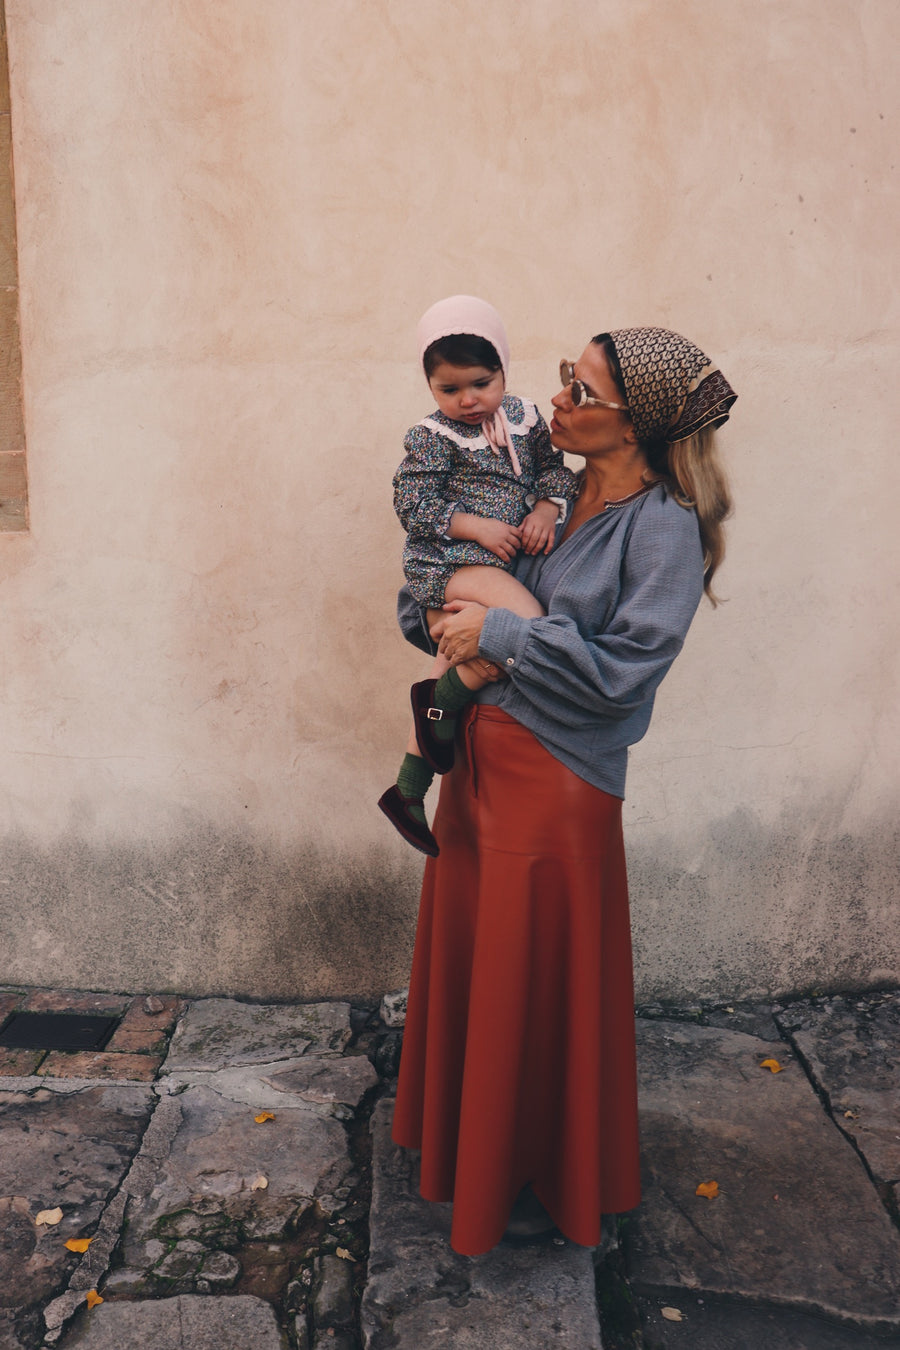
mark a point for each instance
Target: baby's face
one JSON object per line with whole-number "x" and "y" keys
{"x": 467, "y": 393}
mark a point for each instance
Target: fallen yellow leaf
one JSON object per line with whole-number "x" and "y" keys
{"x": 263, "y": 1117}
{"x": 710, "y": 1189}
{"x": 260, "y": 1183}
{"x": 93, "y": 1298}
{"x": 851, "y": 1115}
{"x": 344, "y": 1254}
{"x": 771, "y": 1064}
{"x": 50, "y": 1217}
{"x": 672, "y": 1314}
{"x": 78, "y": 1244}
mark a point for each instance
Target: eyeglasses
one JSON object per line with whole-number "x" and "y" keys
{"x": 580, "y": 396}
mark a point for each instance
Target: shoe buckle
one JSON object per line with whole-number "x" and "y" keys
{"x": 434, "y": 714}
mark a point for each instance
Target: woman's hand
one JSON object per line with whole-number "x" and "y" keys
{"x": 486, "y": 670}
{"x": 458, "y": 630}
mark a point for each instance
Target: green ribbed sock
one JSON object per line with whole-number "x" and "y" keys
{"x": 451, "y": 695}
{"x": 413, "y": 781}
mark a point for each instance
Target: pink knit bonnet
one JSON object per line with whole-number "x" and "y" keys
{"x": 463, "y": 314}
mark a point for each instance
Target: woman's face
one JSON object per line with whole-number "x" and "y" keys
{"x": 588, "y": 429}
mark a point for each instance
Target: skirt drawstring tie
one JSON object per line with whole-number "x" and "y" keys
{"x": 469, "y": 746}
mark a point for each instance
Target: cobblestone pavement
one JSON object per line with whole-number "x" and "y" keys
{"x": 220, "y": 1176}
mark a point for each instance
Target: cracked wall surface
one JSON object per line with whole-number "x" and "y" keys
{"x": 224, "y": 243}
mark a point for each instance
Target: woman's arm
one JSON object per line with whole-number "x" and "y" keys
{"x": 597, "y": 653}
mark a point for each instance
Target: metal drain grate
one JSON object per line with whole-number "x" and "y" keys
{"x": 57, "y": 1031}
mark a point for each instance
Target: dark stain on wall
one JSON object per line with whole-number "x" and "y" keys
{"x": 746, "y": 910}
{"x": 753, "y": 910}
{"x": 206, "y": 914}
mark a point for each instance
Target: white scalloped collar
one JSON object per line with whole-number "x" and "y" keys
{"x": 529, "y": 419}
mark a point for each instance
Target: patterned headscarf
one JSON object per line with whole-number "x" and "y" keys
{"x": 673, "y": 389}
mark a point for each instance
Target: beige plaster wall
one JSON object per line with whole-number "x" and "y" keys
{"x": 230, "y": 214}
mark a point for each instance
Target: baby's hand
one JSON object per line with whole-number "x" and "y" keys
{"x": 539, "y": 528}
{"x": 498, "y": 537}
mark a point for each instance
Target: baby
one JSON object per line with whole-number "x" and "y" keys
{"x": 479, "y": 481}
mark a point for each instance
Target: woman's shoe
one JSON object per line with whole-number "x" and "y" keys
{"x": 529, "y": 1223}
{"x": 416, "y": 832}
{"x": 438, "y": 754}
{"x": 543, "y": 1237}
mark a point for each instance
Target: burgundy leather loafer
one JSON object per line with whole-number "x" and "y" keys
{"x": 396, "y": 807}
{"x": 437, "y": 754}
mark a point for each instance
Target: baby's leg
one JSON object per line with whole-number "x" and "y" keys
{"x": 439, "y": 666}
{"x": 496, "y": 589}
{"x": 404, "y": 803}
{"x": 489, "y": 586}
{"x": 493, "y": 587}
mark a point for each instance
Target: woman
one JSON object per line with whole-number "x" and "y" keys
{"x": 518, "y": 1070}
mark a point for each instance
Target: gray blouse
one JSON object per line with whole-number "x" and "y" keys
{"x": 620, "y": 594}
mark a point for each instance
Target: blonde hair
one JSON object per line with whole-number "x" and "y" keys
{"x": 699, "y": 483}
{"x": 693, "y": 471}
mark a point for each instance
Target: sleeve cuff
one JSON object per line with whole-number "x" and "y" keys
{"x": 503, "y": 638}
{"x": 532, "y": 499}
{"x": 448, "y": 516}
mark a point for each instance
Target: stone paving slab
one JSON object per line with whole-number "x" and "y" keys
{"x": 209, "y": 1179}
{"x": 747, "y": 1271}
{"x": 309, "y": 1083}
{"x": 189, "y": 1322}
{"x": 852, "y": 1046}
{"x": 20, "y": 1328}
{"x": 203, "y": 1187}
{"x": 421, "y": 1293}
{"x": 797, "y": 1220}
{"x": 219, "y": 1033}
{"x": 756, "y": 1019}
{"x": 711, "y": 1325}
{"x": 137, "y": 1185}
{"x": 67, "y": 1150}
{"x": 325, "y": 1082}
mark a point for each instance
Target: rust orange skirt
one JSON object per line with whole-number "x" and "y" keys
{"x": 518, "y": 1056}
